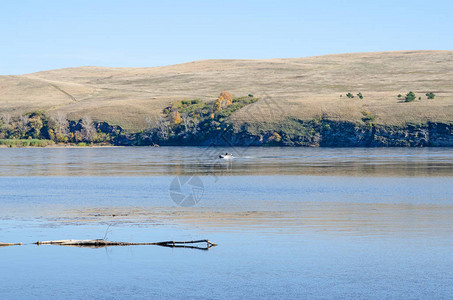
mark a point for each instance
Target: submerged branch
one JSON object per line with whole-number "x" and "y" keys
{"x": 10, "y": 244}
{"x": 103, "y": 243}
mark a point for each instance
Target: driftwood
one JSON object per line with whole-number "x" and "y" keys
{"x": 98, "y": 243}
{"x": 10, "y": 244}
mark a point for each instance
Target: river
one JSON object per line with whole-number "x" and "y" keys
{"x": 317, "y": 223}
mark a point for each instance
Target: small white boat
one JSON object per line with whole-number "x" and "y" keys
{"x": 226, "y": 156}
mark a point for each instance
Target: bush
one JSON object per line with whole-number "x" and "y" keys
{"x": 26, "y": 143}
{"x": 367, "y": 117}
{"x": 430, "y": 95}
{"x": 410, "y": 97}
{"x": 275, "y": 138}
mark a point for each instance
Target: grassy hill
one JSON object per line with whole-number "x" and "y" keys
{"x": 304, "y": 88}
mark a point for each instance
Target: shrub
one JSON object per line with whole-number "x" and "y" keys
{"x": 410, "y": 97}
{"x": 430, "y": 95}
{"x": 367, "y": 117}
{"x": 399, "y": 96}
{"x": 349, "y": 95}
{"x": 26, "y": 143}
{"x": 360, "y": 95}
{"x": 275, "y": 138}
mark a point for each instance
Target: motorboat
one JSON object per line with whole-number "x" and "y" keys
{"x": 226, "y": 156}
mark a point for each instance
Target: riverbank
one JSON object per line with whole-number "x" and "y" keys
{"x": 313, "y": 133}
{"x": 34, "y": 143}
{"x": 291, "y": 133}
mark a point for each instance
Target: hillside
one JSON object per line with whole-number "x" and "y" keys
{"x": 305, "y": 88}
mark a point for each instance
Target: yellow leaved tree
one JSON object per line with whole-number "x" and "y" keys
{"x": 176, "y": 117}
{"x": 224, "y": 99}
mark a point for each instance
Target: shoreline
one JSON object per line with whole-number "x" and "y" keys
{"x": 290, "y": 133}
{"x": 65, "y": 146}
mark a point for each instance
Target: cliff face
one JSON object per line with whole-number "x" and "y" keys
{"x": 342, "y": 134}
{"x": 431, "y": 134}
{"x": 297, "y": 133}
{"x": 351, "y": 135}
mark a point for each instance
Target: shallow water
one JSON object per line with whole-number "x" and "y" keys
{"x": 290, "y": 223}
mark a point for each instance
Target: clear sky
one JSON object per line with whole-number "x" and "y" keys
{"x": 41, "y": 35}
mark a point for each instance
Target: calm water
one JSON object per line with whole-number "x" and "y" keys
{"x": 290, "y": 223}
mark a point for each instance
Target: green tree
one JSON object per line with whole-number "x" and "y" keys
{"x": 410, "y": 97}
{"x": 430, "y": 95}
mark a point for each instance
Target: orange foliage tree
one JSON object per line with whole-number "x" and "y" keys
{"x": 176, "y": 117}
{"x": 225, "y": 99}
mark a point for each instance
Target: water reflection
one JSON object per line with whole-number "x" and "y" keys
{"x": 355, "y": 219}
{"x": 148, "y": 161}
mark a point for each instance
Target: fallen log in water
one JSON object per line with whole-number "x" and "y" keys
{"x": 104, "y": 243}
{"x": 10, "y": 244}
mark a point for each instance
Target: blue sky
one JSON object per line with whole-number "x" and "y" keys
{"x": 41, "y": 35}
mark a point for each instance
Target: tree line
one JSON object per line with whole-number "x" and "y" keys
{"x": 56, "y": 127}
{"x": 193, "y": 121}
{"x": 182, "y": 122}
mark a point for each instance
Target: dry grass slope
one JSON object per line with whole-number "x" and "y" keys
{"x": 302, "y": 87}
